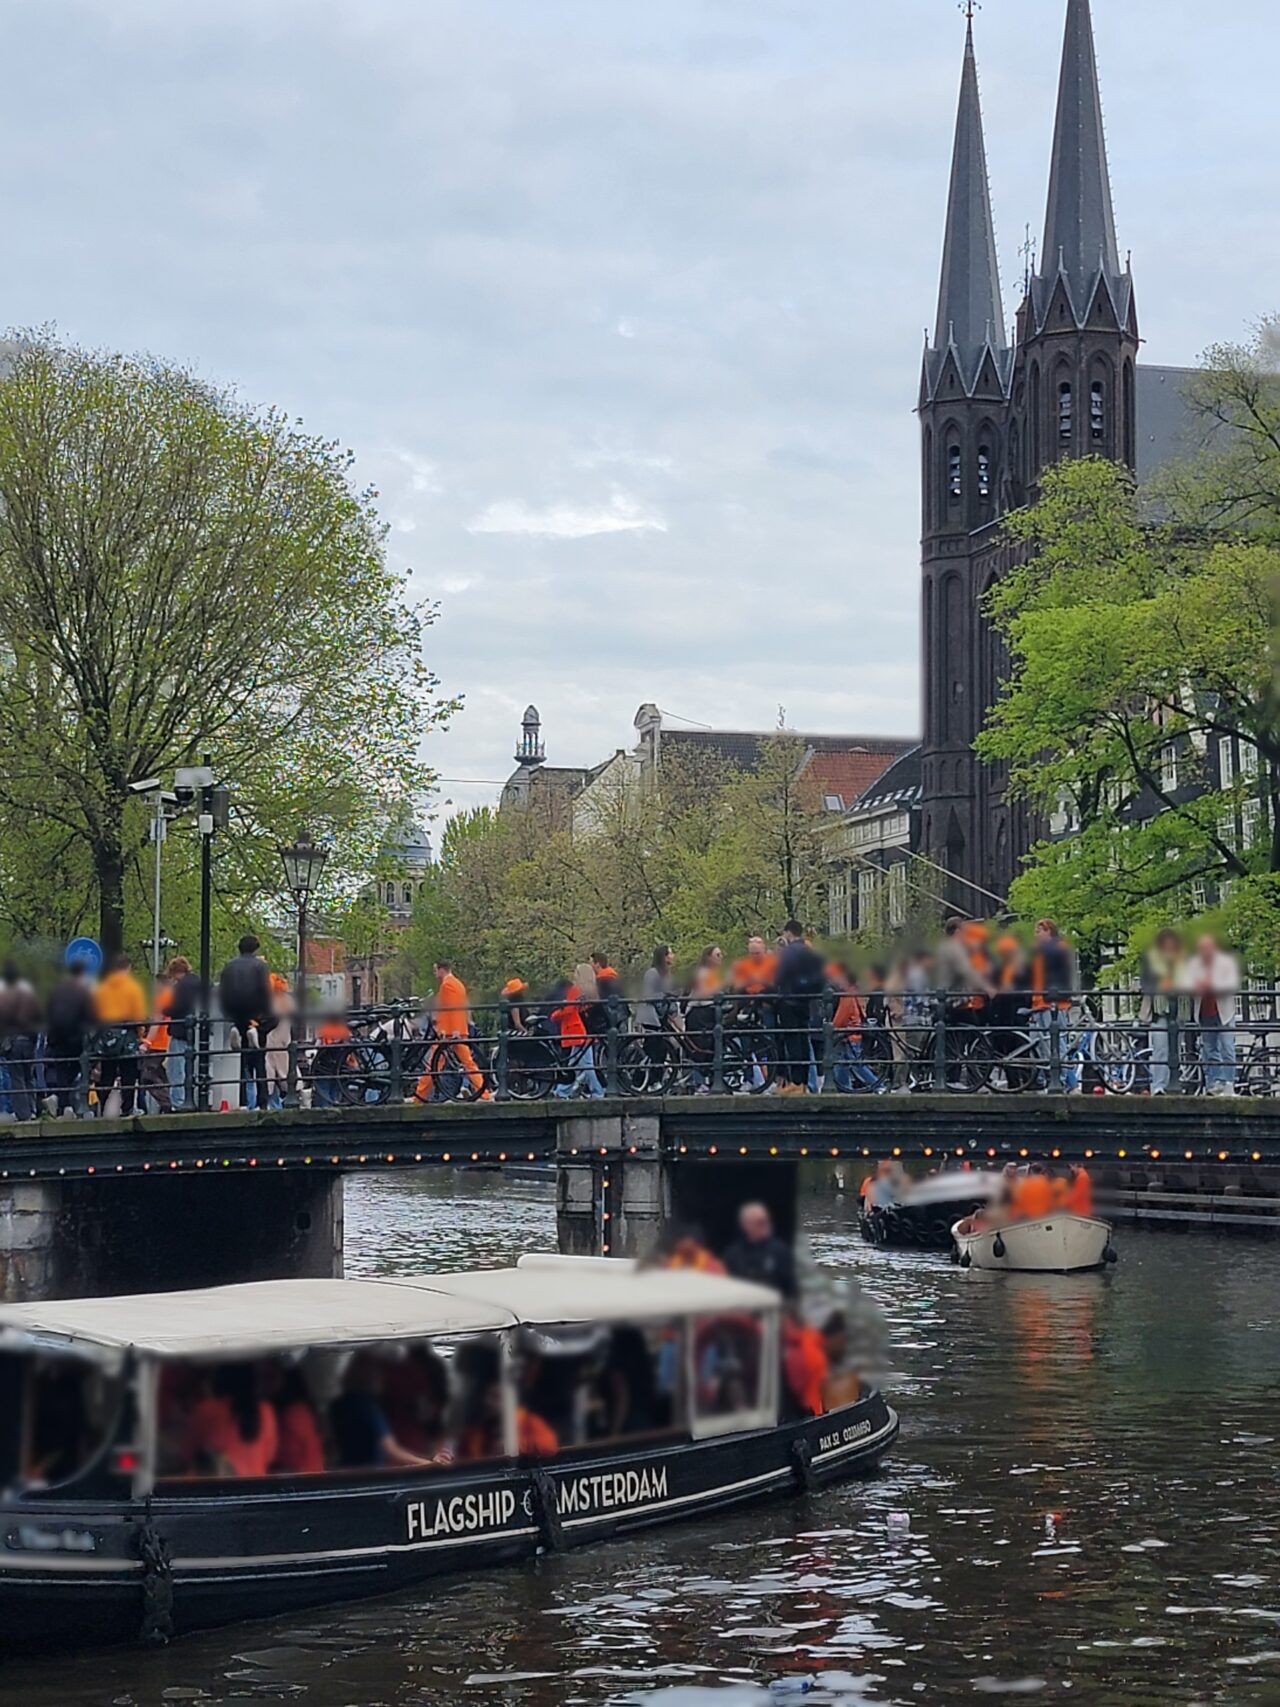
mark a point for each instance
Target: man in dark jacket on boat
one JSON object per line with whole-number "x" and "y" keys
{"x": 759, "y": 1255}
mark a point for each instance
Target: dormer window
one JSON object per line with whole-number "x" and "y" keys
{"x": 984, "y": 471}
{"x": 1097, "y": 411}
{"x": 955, "y": 478}
{"x": 1064, "y": 411}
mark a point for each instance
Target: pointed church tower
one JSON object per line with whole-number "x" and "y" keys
{"x": 1075, "y": 390}
{"x": 963, "y": 407}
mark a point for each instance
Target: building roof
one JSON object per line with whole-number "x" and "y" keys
{"x": 743, "y": 747}
{"x": 899, "y": 785}
{"x": 970, "y": 319}
{"x": 844, "y": 777}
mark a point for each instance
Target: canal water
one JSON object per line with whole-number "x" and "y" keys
{"x": 1084, "y": 1505}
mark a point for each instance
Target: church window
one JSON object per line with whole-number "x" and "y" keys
{"x": 1097, "y": 411}
{"x": 406, "y": 894}
{"x": 955, "y": 478}
{"x": 1064, "y": 410}
{"x": 1035, "y": 422}
{"x": 984, "y": 471}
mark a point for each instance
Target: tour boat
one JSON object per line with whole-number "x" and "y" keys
{"x": 1060, "y": 1243}
{"x": 924, "y": 1211}
{"x": 658, "y": 1395}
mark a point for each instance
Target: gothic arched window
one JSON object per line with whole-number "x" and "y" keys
{"x": 1065, "y": 408}
{"x": 984, "y": 472}
{"x": 955, "y": 474}
{"x": 1097, "y": 411}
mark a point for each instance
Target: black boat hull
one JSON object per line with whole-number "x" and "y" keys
{"x": 926, "y": 1227}
{"x": 194, "y": 1558}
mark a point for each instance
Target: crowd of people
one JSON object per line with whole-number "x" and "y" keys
{"x": 795, "y": 1016}
{"x": 109, "y": 1045}
{"x": 875, "y": 1028}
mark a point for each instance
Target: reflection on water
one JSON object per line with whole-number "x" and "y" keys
{"x": 1083, "y": 1502}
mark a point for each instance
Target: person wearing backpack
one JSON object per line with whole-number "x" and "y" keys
{"x": 244, "y": 990}
{"x": 800, "y": 979}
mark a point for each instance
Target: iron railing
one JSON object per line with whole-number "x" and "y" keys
{"x": 1088, "y": 1042}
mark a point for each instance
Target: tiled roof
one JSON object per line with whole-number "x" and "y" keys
{"x": 846, "y": 775}
{"x": 898, "y": 783}
{"x": 741, "y": 747}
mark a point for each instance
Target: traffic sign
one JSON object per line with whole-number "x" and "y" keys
{"x": 83, "y": 951}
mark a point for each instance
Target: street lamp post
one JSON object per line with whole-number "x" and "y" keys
{"x": 303, "y": 863}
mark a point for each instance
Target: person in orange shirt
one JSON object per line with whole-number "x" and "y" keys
{"x": 153, "y": 1063}
{"x": 688, "y": 1251}
{"x": 851, "y": 1070}
{"x": 1034, "y": 1197}
{"x": 753, "y": 974}
{"x": 452, "y": 1017}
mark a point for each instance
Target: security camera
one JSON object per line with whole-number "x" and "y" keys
{"x": 150, "y": 786}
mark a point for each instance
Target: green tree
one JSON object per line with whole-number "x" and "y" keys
{"x": 180, "y": 574}
{"x": 1132, "y": 649}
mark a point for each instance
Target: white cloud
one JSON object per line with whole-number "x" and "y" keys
{"x": 567, "y": 520}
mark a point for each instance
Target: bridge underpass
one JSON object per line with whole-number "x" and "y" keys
{"x": 151, "y": 1202}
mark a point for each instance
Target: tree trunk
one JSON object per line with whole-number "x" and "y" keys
{"x": 108, "y": 864}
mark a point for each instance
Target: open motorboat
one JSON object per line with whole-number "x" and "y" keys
{"x": 923, "y": 1212}
{"x": 1058, "y": 1243}
{"x": 433, "y": 1425}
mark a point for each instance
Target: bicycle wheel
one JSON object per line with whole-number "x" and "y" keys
{"x": 646, "y": 1067}
{"x": 1115, "y": 1060}
{"x": 364, "y": 1075}
{"x": 531, "y": 1072}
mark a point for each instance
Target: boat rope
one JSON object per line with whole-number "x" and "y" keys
{"x": 157, "y": 1583}
{"x": 546, "y": 1510}
{"x": 802, "y": 1464}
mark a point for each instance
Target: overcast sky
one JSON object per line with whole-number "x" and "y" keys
{"x": 620, "y": 306}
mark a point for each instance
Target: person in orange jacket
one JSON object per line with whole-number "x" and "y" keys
{"x": 805, "y": 1366}
{"x": 569, "y": 1019}
{"x": 1080, "y": 1194}
{"x": 121, "y": 1010}
{"x": 451, "y": 1013}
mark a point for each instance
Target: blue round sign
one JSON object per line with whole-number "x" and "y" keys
{"x": 83, "y": 951}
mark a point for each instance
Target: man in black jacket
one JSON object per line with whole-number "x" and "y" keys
{"x": 244, "y": 992}
{"x": 800, "y": 979}
{"x": 759, "y": 1255}
{"x": 68, "y": 1022}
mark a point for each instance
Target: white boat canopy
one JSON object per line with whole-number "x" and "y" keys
{"x": 253, "y": 1319}
{"x": 542, "y": 1291}
{"x": 260, "y": 1318}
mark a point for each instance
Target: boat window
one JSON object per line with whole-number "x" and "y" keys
{"x": 377, "y": 1408}
{"x": 604, "y": 1382}
{"x": 57, "y": 1415}
{"x": 733, "y": 1378}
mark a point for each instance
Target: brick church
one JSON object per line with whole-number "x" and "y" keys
{"x": 995, "y": 411}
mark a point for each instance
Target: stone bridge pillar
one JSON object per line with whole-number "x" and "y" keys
{"x": 158, "y": 1232}
{"x": 613, "y": 1191}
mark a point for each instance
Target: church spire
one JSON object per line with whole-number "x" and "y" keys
{"x": 1080, "y": 227}
{"x": 970, "y": 313}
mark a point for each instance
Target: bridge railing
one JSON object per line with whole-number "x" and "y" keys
{"x": 833, "y": 1044}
